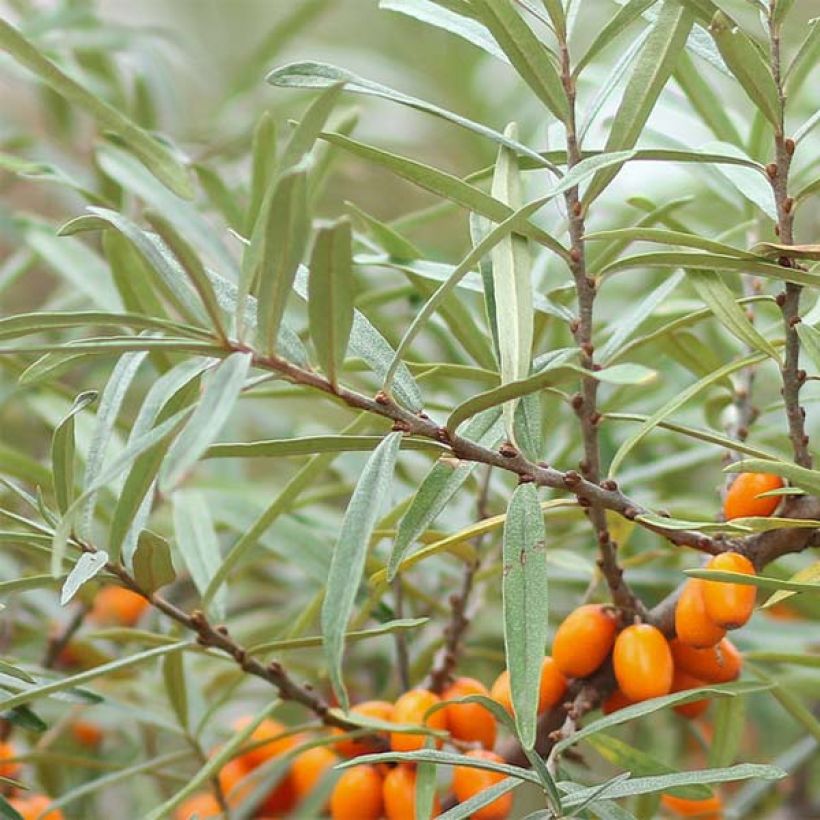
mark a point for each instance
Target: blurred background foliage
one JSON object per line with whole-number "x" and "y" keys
{"x": 194, "y": 71}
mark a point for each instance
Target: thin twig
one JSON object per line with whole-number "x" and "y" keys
{"x": 400, "y": 638}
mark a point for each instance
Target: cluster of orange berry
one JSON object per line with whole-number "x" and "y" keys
{"x": 370, "y": 792}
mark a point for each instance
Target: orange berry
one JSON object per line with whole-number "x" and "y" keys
{"x": 469, "y": 721}
{"x": 410, "y": 708}
{"x": 729, "y": 605}
{"x": 230, "y": 776}
{"x": 468, "y": 782}
{"x": 741, "y": 500}
{"x": 35, "y": 807}
{"x": 198, "y": 805}
{"x": 357, "y": 795}
{"x": 116, "y": 606}
{"x": 500, "y": 691}
{"x": 583, "y": 641}
{"x": 281, "y": 799}
{"x": 718, "y": 664}
{"x": 309, "y": 767}
{"x": 709, "y": 809}
{"x": 643, "y": 662}
{"x": 86, "y": 733}
{"x": 616, "y": 701}
{"x": 680, "y": 683}
{"x": 377, "y": 709}
{"x": 8, "y": 766}
{"x": 400, "y": 794}
{"x": 692, "y": 625}
{"x": 552, "y": 685}
{"x": 268, "y": 730}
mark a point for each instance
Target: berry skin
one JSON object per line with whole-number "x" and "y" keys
{"x": 116, "y": 606}
{"x": 86, "y": 733}
{"x": 709, "y": 809}
{"x": 230, "y": 776}
{"x": 500, "y": 691}
{"x": 309, "y": 767}
{"x": 281, "y": 799}
{"x": 33, "y": 807}
{"x": 741, "y": 500}
{"x": 729, "y": 605}
{"x": 400, "y": 794}
{"x": 357, "y": 795}
{"x": 469, "y": 721}
{"x": 268, "y": 730}
{"x": 377, "y": 709}
{"x": 552, "y": 686}
{"x": 9, "y": 769}
{"x": 693, "y": 625}
{"x": 718, "y": 664}
{"x": 680, "y": 683}
{"x": 410, "y": 708}
{"x": 583, "y": 641}
{"x": 198, "y": 805}
{"x": 615, "y": 702}
{"x": 468, "y": 782}
{"x": 643, "y": 662}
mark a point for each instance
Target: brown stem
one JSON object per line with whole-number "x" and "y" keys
{"x": 789, "y": 301}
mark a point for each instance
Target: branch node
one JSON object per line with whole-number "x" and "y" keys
{"x": 771, "y": 170}
{"x": 508, "y": 450}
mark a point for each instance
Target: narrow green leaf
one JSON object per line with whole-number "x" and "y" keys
{"x": 525, "y": 605}
{"x": 719, "y": 298}
{"x": 729, "y": 724}
{"x": 89, "y": 565}
{"x": 193, "y": 267}
{"x": 511, "y": 284}
{"x": 330, "y": 296}
{"x": 322, "y": 75}
{"x": 528, "y": 55}
{"x": 793, "y": 705}
{"x": 805, "y": 59}
{"x": 61, "y": 685}
{"x": 676, "y": 402}
{"x": 462, "y": 811}
{"x": 350, "y": 552}
{"x": 650, "y": 74}
{"x": 444, "y": 18}
{"x": 8, "y": 811}
{"x": 62, "y": 452}
{"x": 310, "y": 445}
{"x": 683, "y": 259}
{"x": 425, "y": 790}
{"x": 173, "y": 675}
{"x": 198, "y": 544}
{"x": 772, "y": 250}
{"x": 745, "y": 62}
{"x": 759, "y": 581}
{"x": 218, "y": 400}
{"x": 153, "y": 568}
{"x": 263, "y": 168}
{"x": 439, "y": 486}
{"x": 667, "y": 237}
{"x": 220, "y": 197}
{"x": 640, "y": 764}
{"x": 284, "y": 242}
{"x": 624, "y": 17}
{"x": 310, "y": 126}
{"x": 156, "y": 157}
{"x": 809, "y": 480}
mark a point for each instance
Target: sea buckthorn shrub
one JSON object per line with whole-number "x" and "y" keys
{"x": 409, "y": 408}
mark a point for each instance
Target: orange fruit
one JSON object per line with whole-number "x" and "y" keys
{"x": 309, "y": 767}
{"x": 198, "y": 805}
{"x": 500, "y": 691}
{"x": 729, "y": 605}
{"x": 35, "y": 807}
{"x": 410, "y": 708}
{"x": 357, "y": 795}
{"x": 468, "y": 782}
{"x": 230, "y": 776}
{"x": 583, "y": 641}
{"x": 741, "y": 500}
{"x": 117, "y": 606}
{"x": 281, "y": 799}
{"x": 469, "y": 721}
{"x": 643, "y": 662}
{"x": 692, "y": 625}
{"x": 552, "y": 686}
{"x": 680, "y": 683}
{"x": 8, "y": 766}
{"x": 86, "y": 733}
{"x": 709, "y": 809}
{"x": 268, "y": 730}
{"x": 616, "y": 701}
{"x": 376, "y": 709}
{"x": 718, "y": 664}
{"x": 400, "y": 794}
